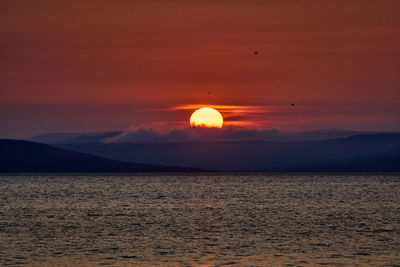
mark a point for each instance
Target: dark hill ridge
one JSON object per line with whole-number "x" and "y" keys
{"x": 143, "y": 135}
{"x": 359, "y": 153}
{"x": 23, "y": 156}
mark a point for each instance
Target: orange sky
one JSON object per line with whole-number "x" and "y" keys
{"x": 339, "y": 61}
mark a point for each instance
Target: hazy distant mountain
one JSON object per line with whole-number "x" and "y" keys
{"x": 53, "y": 138}
{"x": 374, "y": 152}
{"x": 143, "y": 135}
{"x": 24, "y": 156}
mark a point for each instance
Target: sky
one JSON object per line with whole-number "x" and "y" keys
{"x": 85, "y": 66}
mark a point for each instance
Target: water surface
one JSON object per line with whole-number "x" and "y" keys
{"x": 196, "y": 220}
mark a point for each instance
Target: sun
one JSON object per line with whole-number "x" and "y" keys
{"x": 206, "y": 117}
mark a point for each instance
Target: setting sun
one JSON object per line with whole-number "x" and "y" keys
{"x": 206, "y": 117}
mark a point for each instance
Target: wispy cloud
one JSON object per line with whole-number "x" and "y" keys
{"x": 221, "y": 108}
{"x": 230, "y": 133}
{"x": 298, "y": 116}
{"x": 234, "y": 115}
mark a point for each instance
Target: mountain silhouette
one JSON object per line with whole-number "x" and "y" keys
{"x": 18, "y": 156}
{"x": 183, "y": 135}
{"x": 359, "y": 153}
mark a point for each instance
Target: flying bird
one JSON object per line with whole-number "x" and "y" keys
{"x": 293, "y": 105}
{"x": 256, "y": 52}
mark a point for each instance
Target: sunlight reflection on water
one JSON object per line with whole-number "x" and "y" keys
{"x": 200, "y": 220}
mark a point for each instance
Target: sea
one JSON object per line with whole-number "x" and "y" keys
{"x": 188, "y": 219}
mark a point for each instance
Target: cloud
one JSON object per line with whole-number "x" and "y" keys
{"x": 153, "y": 135}
{"x": 250, "y": 116}
{"x": 231, "y": 133}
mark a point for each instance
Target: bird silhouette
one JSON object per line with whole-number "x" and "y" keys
{"x": 256, "y": 52}
{"x": 293, "y": 105}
